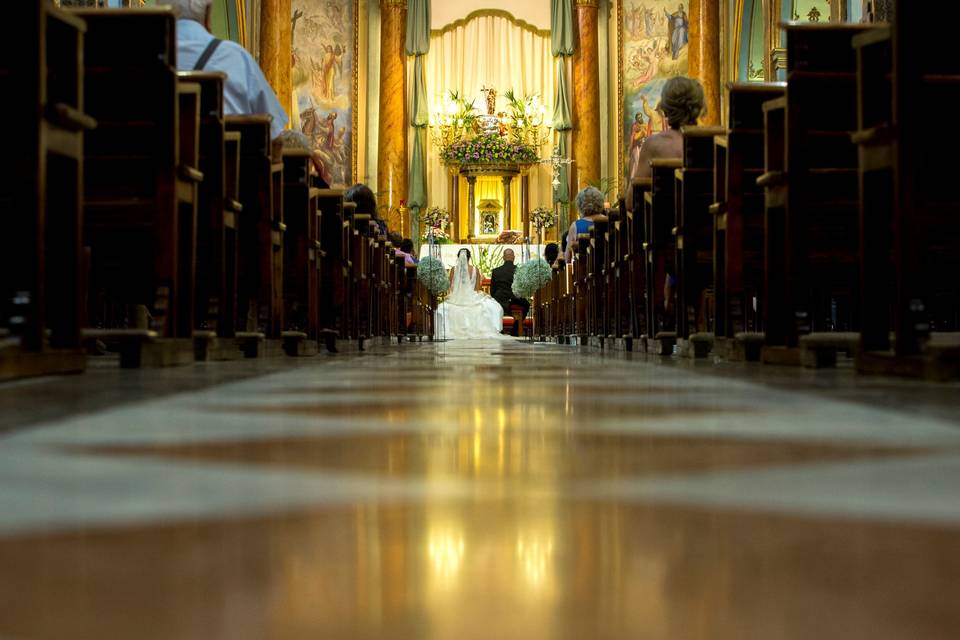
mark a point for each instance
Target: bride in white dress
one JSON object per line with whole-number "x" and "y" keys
{"x": 468, "y": 313}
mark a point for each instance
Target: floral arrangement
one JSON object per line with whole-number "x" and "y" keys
{"x": 433, "y": 275}
{"x": 436, "y": 236}
{"x": 543, "y": 218}
{"x": 530, "y": 277}
{"x": 488, "y": 149}
{"x": 435, "y": 218}
{"x": 435, "y": 221}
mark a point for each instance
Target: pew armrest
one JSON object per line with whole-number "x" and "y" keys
{"x": 63, "y": 115}
{"x": 874, "y": 136}
{"x": 189, "y": 173}
{"x": 233, "y": 205}
{"x": 772, "y": 179}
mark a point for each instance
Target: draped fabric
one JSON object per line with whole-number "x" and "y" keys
{"x": 418, "y": 27}
{"x": 491, "y": 51}
{"x": 561, "y": 27}
{"x": 418, "y": 45}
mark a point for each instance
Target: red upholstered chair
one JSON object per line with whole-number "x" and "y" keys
{"x": 524, "y": 325}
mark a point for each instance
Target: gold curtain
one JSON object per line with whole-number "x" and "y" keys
{"x": 488, "y": 50}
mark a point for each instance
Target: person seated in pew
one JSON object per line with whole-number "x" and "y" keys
{"x": 246, "y": 91}
{"x": 550, "y": 253}
{"x": 406, "y": 250}
{"x": 362, "y": 196}
{"x": 590, "y": 206}
{"x": 501, "y": 288}
{"x": 290, "y": 139}
{"x": 682, "y": 103}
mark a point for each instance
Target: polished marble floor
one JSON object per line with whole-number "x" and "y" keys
{"x": 479, "y": 490}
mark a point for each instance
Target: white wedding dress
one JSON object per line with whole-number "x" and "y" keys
{"x": 468, "y": 314}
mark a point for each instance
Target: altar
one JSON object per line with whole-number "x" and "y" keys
{"x": 485, "y": 257}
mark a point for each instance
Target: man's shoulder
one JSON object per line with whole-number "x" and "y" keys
{"x": 234, "y": 51}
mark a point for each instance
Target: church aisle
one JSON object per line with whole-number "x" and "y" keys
{"x": 482, "y": 490}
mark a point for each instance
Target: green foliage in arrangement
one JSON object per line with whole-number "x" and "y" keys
{"x": 486, "y": 259}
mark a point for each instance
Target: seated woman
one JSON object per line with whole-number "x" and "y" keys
{"x": 467, "y": 313}
{"x": 682, "y": 104}
{"x": 551, "y": 252}
{"x": 590, "y": 206}
{"x": 406, "y": 250}
{"x": 362, "y": 196}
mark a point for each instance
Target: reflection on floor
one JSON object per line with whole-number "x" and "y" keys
{"x": 474, "y": 490}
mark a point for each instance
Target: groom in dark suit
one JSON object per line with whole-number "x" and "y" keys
{"x": 501, "y": 286}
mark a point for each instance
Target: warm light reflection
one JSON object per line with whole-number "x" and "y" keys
{"x": 533, "y": 554}
{"x": 445, "y": 547}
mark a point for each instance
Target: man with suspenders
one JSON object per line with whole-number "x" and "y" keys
{"x": 246, "y": 91}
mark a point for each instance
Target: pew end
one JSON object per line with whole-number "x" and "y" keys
{"x": 144, "y": 348}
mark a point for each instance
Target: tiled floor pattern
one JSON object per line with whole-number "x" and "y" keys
{"x": 483, "y": 490}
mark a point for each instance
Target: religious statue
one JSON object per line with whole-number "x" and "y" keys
{"x": 491, "y": 94}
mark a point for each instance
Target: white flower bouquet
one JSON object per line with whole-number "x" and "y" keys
{"x": 433, "y": 275}
{"x": 530, "y": 277}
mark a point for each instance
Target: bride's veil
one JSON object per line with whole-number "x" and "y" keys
{"x": 462, "y": 285}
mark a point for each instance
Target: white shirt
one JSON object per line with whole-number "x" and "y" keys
{"x": 246, "y": 91}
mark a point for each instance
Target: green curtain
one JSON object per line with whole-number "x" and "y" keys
{"x": 562, "y": 45}
{"x": 561, "y": 27}
{"x": 418, "y": 44}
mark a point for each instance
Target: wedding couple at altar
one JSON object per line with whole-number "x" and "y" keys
{"x": 468, "y": 313}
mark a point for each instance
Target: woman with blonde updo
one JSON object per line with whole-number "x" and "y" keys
{"x": 682, "y": 104}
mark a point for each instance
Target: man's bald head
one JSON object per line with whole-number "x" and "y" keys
{"x": 508, "y": 255}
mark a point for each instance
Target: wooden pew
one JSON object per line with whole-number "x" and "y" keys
{"x": 260, "y": 232}
{"x": 581, "y": 284}
{"x": 301, "y": 247}
{"x": 360, "y": 281}
{"x": 41, "y": 192}
{"x": 909, "y": 223}
{"x": 333, "y": 255}
{"x": 216, "y": 225}
{"x": 635, "y": 261}
{"x": 568, "y": 303}
{"x": 596, "y": 281}
{"x": 398, "y": 318}
{"x": 738, "y": 221}
{"x": 660, "y": 252}
{"x": 817, "y": 313}
{"x": 141, "y": 178}
{"x": 693, "y": 232}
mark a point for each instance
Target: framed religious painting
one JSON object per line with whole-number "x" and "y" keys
{"x": 653, "y": 37}
{"x": 324, "y": 79}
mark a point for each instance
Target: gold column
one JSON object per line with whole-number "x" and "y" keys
{"x": 586, "y": 101}
{"x": 276, "y": 47}
{"x": 392, "y": 143}
{"x": 705, "y": 53}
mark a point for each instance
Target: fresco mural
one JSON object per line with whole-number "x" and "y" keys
{"x": 324, "y": 80}
{"x": 653, "y": 48}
